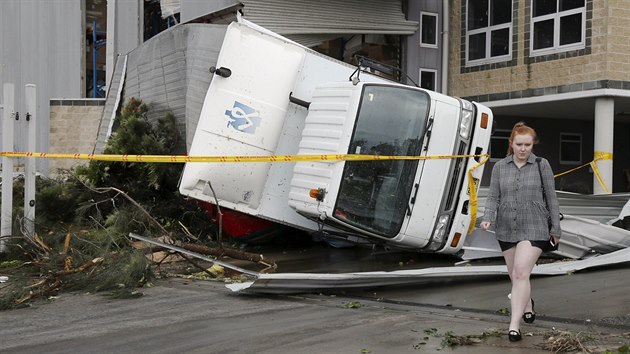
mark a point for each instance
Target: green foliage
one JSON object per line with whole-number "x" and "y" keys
{"x": 352, "y": 305}
{"x": 59, "y": 200}
{"x": 504, "y": 311}
{"x": 451, "y": 340}
{"x": 120, "y": 270}
{"x": 153, "y": 185}
{"x": 10, "y": 264}
{"x": 135, "y": 135}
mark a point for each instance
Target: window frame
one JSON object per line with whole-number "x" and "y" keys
{"x": 495, "y": 137}
{"x": 580, "y": 142}
{"x": 437, "y": 26}
{"x": 556, "y": 17}
{"x": 488, "y": 31}
{"x": 420, "y": 71}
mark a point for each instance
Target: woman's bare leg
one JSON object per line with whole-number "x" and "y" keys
{"x": 523, "y": 260}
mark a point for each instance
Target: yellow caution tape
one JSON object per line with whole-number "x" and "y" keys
{"x": 272, "y": 158}
{"x": 473, "y": 195}
{"x": 597, "y": 156}
{"x": 185, "y": 158}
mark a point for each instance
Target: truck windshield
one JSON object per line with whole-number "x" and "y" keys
{"x": 374, "y": 195}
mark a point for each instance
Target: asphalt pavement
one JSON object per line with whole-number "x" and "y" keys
{"x": 193, "y": 316}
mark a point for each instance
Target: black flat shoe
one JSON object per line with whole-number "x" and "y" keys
{"x": 514, "y": 335}
{"x": 530, "y": 317}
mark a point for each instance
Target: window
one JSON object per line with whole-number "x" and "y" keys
{"x": 570, "y": 148}
{"x": 374, "y": 195}
{"x": 488, "y": 31}
{"x": 427, "y": 79}
{"x": 557, "y": 26}
{"x": 499, "y": 142}
{"x": 428, "y": 30}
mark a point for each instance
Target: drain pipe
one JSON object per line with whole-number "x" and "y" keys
{"x": 445, "y": 33}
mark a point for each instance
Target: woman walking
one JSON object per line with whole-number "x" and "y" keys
{"x": 523, "y": 207}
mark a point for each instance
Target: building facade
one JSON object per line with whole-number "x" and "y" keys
{"x": 561, "y": 66}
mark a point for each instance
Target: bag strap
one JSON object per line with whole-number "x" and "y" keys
{"x": 542, "y": 183}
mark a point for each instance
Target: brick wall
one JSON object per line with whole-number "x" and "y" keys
{"x": 604, "y": 63}
{"x": 74, "y": 127}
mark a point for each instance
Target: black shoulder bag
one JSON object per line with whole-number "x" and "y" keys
{"x": 551, "y": 245}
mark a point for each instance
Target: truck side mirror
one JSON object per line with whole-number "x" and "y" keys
{"x": 223, "y": 72}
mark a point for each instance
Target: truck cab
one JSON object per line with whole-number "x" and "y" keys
{"x": 421, "y": 203}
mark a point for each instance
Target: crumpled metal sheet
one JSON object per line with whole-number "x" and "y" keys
{"x": 285, "y": 283}
{"x": 599, "y": 207}
{"x": 581, "y": 238}
{"x": 586, "y": 233}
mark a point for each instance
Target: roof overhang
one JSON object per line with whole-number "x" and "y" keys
{"x": 571, "y": 105}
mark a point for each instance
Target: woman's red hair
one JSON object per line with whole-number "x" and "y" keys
{"x": 521, "y": 128}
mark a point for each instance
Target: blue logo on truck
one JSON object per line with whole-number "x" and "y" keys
{"x": 243, "y": 118}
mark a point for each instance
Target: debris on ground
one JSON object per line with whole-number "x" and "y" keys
{"x": 84, "y": 217}
{"x": 555, "y": 341}
{"x": 559, "y": 341}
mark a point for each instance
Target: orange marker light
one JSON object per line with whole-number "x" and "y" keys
{"x": 456, "y": 239}
{"x": 484, "y": 120}
{"x": 317, "y": 194}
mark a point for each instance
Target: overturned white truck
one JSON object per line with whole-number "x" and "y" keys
{"x": 270, "y": 96}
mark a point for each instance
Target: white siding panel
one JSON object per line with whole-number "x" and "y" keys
{"x": 41, "y": 43}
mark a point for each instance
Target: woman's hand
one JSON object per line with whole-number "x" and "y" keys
{"x": 485, "y": 225}
{"x": 555, "y": 240}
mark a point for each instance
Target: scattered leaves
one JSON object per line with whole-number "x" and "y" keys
{"x": 352, "y": 305}
{"x": 431, "y": 331}
{"x": 452, "y": 340}
{"x": 504, "y": 311}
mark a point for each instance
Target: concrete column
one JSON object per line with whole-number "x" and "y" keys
{"x": 604, "y": 133}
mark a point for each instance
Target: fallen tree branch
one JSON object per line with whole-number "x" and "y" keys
{"x": 146, "y": 213}
{"x": 219, "y": 252}
{"x": 33, "y": 295}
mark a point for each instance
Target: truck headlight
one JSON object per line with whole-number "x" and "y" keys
{"x": 465, "y": 121}
{"x": 440, "y": 228}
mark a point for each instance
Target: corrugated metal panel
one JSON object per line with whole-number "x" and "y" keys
{"x": 598, "y": 207}
{"x": 194, "y": 9}
{"x": 170, "y": 73}
{"x": 329, "y": 16}
{"x": 312, "y": 40}
{"x": 291, "y": 283}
